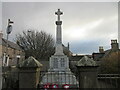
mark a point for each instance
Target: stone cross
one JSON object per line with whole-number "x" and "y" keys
{"x": 58, "y": 48}
{"x": 58, "y": 13}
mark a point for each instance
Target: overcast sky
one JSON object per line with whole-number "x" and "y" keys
{"x": 86, "y": 25}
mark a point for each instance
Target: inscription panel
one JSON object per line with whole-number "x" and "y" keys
{"x": 55, "y": 63}
{"x": 62, "y": 62}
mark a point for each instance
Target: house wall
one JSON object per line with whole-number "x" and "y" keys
{"x": 1, "y": 48}
{"x": 12, "y": 54}
{"x": 0, "y": 55}
{"x": 0, "y": 51}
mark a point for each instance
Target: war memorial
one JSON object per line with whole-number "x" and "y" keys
{"x": 59, "y": 71}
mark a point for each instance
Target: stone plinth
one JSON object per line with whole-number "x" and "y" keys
{"x": 59, "y": 72}
{"x": 59, "y": 78}
{"x": 87, "y": 69}
{"x": 87, "y": 76}
{"x": 29, "y": 71}
{"x": 59, "y": 63}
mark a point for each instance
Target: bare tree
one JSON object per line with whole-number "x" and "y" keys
{"x": 37, "y": 44}
{"x": 111, "y": 63}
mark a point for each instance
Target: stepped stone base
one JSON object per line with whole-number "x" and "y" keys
{"x": 59, "y": 72}
{"x": 59, "y": 78}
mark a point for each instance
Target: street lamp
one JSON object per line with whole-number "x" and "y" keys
{"x": 9, "y": 27}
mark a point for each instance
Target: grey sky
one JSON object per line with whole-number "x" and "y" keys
{"x": 85, "y": 25}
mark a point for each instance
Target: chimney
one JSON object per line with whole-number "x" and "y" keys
{"x": 1, "y": 35}
{"x": 114, "y": 45}
{"x": 101, "y": 50}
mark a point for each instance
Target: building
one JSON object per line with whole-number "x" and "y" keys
{"x": 105, "y": 53}
{"x": 66, "y": 50}
{"x": 14, "y": 52}
{"x": 108, "y": 59}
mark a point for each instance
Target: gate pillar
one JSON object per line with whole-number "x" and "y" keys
{"x": 88, "y": 71}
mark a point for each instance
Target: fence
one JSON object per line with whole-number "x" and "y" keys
{"x": 108, "y": 80}
{"x": 11, "y": 80}
{"x": 104, "y": 80}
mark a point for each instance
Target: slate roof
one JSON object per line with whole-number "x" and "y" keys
{"x": 107, "y": 52}
{"x": 66, "y": 49}
{"x": 76, "y": 58}
{"x": 98, "y": 56}
{"x": 10, "y": 44}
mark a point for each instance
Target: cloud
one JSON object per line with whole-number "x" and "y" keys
{"x": 94, "y": 30}
{"x": 92, "y": 24}
{"x": 75, "y": 32}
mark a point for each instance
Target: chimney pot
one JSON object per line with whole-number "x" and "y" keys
{"x": 114, "y": 45}
{"x": 101, "y": 49}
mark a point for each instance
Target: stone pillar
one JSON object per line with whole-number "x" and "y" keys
{"x": 87, "y": 76}
{"x": 88, "y": 71}
{"x": 29, "y": 71}
{"x": 59, "y": 47}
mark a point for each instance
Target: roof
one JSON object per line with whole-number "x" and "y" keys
{"x": 66, "y": 49}
{"x": 10, "y": 44}
{"x": 76, "y": 57}
{"x": 30, "y": 62}
{"x": 86, "y": 61}
{"x": 107, "y": 52}
{"x": 97, "y": 56}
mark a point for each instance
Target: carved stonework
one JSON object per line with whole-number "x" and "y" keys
{"x": 59, "y": 72}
